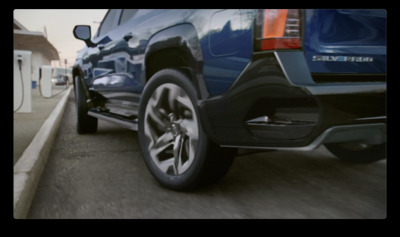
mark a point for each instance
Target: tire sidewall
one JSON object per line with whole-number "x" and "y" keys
{"x": 78, "y": 98}
{"x": 80, "y": 107}
{"x": 190, "y": 177}
{"x": 84, "y": 122}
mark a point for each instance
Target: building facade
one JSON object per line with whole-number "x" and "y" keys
{"x": 43, "y": 52}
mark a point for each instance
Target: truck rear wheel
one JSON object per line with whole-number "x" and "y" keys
{"x": 174, "y": 145}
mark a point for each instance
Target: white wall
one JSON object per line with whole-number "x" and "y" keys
{"x": 38, "y": 60}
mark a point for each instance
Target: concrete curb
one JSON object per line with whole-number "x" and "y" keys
{"x": 30, "y": 165}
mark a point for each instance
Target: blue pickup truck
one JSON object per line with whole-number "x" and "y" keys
{"x": 199, "y": 86}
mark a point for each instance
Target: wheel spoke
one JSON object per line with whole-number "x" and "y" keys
{"x": 157, "y": 117}
{"x": 172, "y": 128}
{"x": 166, "y": 166}
{"x": 174, "y": 92}
{"x": 164, "y": 139}
{"x": 177, "y": 153}
{"x": 155, "y": 98}
{"x": 190, "y": 128}
{"x": 162, "y": 143}
{"x": 184, "y": 100}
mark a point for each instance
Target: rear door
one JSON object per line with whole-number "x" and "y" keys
{"x": 104, "y": 40}
{"x": 111, "y": 72}
{"x": 115, "y": 73}
{"x": 345, "y": 41}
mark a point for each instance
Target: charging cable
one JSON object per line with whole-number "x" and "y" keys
{"x": 19, "y": 59}
{"x": 40, "y": 82}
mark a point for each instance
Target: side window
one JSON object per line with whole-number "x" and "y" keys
{"x": 108, "y": 22}
{"x": 126, "y": 15}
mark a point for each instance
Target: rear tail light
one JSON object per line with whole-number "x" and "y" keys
{"x": 278, "y": 29}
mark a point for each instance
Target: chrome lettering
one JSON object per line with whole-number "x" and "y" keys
{"x": 329, "y": 58}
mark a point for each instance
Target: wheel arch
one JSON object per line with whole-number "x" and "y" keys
{"x": 177, "y": 47}
{"x": 77, "y": 71}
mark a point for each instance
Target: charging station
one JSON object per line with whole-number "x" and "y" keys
{"x": 45, "y": 81}
{"x": 22, "y": 81}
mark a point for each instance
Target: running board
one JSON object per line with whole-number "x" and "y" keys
{"x": 124, "y": 122}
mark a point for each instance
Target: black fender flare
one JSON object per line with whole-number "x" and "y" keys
{"x": 77, "y": 71}
{"x": 184, "y": 38}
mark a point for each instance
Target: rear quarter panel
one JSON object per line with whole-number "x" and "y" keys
{"x": 345, "y": 41}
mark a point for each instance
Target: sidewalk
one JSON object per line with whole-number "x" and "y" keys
{"x": 26, "y": 125}
{"x": 34, "y": 134}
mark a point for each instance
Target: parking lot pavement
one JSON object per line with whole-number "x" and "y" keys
{"x": 103, "y": 175}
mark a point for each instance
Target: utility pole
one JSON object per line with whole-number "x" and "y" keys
{"x": 45, "y": 32}
{"x": 59, "y": 61}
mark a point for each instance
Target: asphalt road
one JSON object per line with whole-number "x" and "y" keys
{"x": 103, "y": 176}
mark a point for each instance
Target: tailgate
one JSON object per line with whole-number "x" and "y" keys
{"x": 345, "y": 41}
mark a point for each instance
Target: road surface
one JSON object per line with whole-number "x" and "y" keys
{"x": 103, "y": 175}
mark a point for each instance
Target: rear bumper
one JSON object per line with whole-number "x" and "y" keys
{"x": 301, "y": 113}
{"x": 374, "y": 133}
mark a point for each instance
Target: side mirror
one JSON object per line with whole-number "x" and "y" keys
{"x": 83, "y": 32}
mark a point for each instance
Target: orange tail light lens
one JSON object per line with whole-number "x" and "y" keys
{"x": 280, "y": 29}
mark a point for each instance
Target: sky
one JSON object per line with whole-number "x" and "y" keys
{"x": 59, "y": 24}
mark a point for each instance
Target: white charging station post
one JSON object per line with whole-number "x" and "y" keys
{"x": 22, "y": 81}
{"x": 45, "y": 81}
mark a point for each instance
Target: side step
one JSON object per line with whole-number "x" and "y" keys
{"x": 124, "y": 122}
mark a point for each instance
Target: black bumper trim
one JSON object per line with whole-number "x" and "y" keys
{"x": 362, "y": 133}
{"x": 279, "y": 84}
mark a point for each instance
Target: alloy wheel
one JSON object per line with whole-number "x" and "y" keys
{"x": 171, "y": 129}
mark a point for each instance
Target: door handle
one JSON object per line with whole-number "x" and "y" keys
{"x": 128, "y": 36}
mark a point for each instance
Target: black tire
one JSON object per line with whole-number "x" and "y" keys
{"x": 84, "y": 122}
{"x": 358, "y": 153}
{"x": 174, "y": 145}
